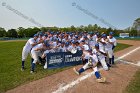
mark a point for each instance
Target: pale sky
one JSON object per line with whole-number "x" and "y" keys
{"x": 61, "y": 13}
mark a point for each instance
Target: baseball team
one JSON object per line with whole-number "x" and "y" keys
{"x": 97, "y": 49}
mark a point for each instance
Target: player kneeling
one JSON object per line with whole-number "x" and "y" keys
{"x": 92, "y": 63}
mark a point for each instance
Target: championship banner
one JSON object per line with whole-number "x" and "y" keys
{"x": 62, "y": 59}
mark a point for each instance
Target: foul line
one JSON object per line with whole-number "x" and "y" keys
{"x": 130, "y": 63}
{"x": 73, "y": 83}
{"x": 127, "y": 54}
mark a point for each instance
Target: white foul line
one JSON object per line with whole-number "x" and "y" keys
{"x": 64, "y": 88}
{"x": 130, "y": 63}
{"x": 127, "y": 54}
{"x": 73, "y": 83}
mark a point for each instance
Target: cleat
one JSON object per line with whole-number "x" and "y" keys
{"x": 45, "y": 66}
{"x": 22, "y": 69}
{"x": 32, "y": 72}
{"x": 101, "y": 80}
{"x": 76, "y": 71}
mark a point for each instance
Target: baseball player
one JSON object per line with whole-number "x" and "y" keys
{"x": 62, "y": 47}
{"x": 112, "y": 42}
{"x": 101, "y": 56}
{"x": 36, "y": 52}
{"x": 27, "y": 48}
{"x": 48, "y": 50}
{"x": 92, "y": 63}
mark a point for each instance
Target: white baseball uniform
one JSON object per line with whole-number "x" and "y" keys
{"x": 101, "y": 58}
{"x": 27, "y": 48}
{"x": 35, "y": 54}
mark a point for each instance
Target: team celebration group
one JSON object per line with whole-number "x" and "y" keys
{"x": 97, "y": 49}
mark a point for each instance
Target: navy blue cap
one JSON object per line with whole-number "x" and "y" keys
{"x": 97, "y": 33}
{"x": 83, "y": 41}
{"x": 41, "y": 34}
{"x": 111, "y": 33}
{"x": 90, "y": 50}
{"x": 47, "y": 44}
{"x": 67, "y": 43}
{"x": 52, "y": 33}
{"x": 104, "y": 35}
{"x": 71, "y": 34}
{"x": 45, "y": 35}
{"x": 85, "y": 36}
{"x": 35, "y": 35}
{"x": 97, "y": 45}
{"x": 76, "y": 36}
{"x": 73, "y": 42}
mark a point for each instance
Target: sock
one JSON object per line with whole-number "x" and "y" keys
{"x": 81, "y": 70}
{"x": 108, "y": 65}
{"x": 105, "y": 59}
{"x": 40, "y": 59}
{"x": 86, "y": 60}
{"x": 113, "y": 47}
{"x": 23, "y": 64}
{"x": 32, "y": 60}
{"x": 110, "y": 59}
{"x": 33, "y": 67}
{"x": 113, "y": 59}
{"x": 97, "y": 74}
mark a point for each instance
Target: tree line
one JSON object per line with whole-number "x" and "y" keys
{"x": 29, "y": 32}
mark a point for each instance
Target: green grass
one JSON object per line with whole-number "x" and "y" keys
{"x": 134, "y": 85}
{"x": 10, "y": 64}
{"x": 121, "y": 47}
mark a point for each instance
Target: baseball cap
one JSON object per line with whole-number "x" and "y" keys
{"x": 73, "y": 42}
{"x": 97, "y": 33}
{"x": 67, "y": 43}
{"x": 90, "y": 50}
{"x": 76, "y": 36}
{"x": 71, "y": 34}
{"x": 41, "y": 34}
{"x": 45, "y": 35}
{"x": 83, "y": 41}
{"x": 35, "y": 35}
{"x": 104, "y": 35}
{"x": 111, "y": 33}
{"x": 85, "y": 36}
{"x": 52, "y": 33}
{"x": 47, "y": 44}
{"x": 97, "y": 45}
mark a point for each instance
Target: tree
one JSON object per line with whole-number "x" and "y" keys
{"x": 12, "y": 33}
{"x": 2, "y": 32}
{"x": 109, "y": 30}
{"x": 20, "y": 31}
{"x": 73, "y": 28}
{"x": 133, "y": 32}
{"x": 44, "y": 29}
{"x": 29, "y": 32}
{"x": 90, "y": 28}
{"x": 95, "y": 27}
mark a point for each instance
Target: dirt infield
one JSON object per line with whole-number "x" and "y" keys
{"x": 118, "y": 77}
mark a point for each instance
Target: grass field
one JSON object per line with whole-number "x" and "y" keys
{"x": 134, "y": 85}
{"x": 10, "y": 64}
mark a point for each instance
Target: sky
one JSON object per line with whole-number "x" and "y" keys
{"x": 64, "y": 13}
